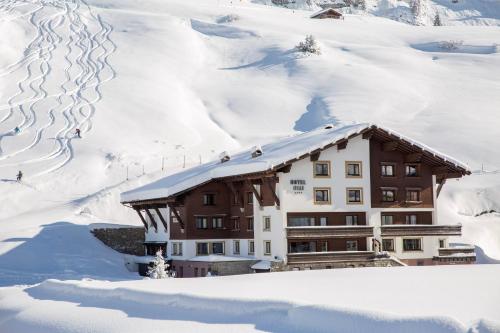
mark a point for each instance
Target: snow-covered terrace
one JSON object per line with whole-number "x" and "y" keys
{"x": 275, "y": 155}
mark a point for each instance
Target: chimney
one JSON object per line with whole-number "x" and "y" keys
{"x": 224, "y": 157}
{"x": 256, "y": 151}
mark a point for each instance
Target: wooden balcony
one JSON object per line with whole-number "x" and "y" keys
{"x": 329, "y": 257}
{"x": 462, "y": 250}
{"x": 329, "y": 232}
{"x": 421, "y": 230}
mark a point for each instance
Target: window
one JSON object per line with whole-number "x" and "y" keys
{"x": 412, "y": 244}
{"x": 202, "y": 271}
{"x": 267, "y": 248}
{"x": 321, "y": 196}
{"x": 323, "y": 246}
{"x": 411, "y": 219}
{"x": 249, "y": 198}
{"x": 236, "y": 223}
{"x": 201, "y": 249}
{"x": 354, "y": 196}
{"x": 267, "y": 223}
{"x": 322, "y": 169}
{"x": 388, "y": 170}
{"x": 353, "y": 169}
{"x": 411, "y": 170}
{"x": 250, "y": 223}
{"x": 301, "y": 247}
{"x": 208, "y": 199}
{"x": 387, "y": 219}
{"x": 201, "y": 222}
{"x": 413, "y": 195}
{"x": 388, "y": 195}
{"x": 388, "y": 245}
{"x": 323, "y": 221}
{"x": 300, "y": 221}
{"x": 196, "y": 272}
{"x": 442, "y": 243}
{"x": 177, "y": 249}
{"x": 351, "y": 245}
{"x": 251, "y": 247}
{"x": 351, "y": 220}
{"x": 217, "y": 222}
{"x": 206, "y": 248}
{"x": 218, "y": 248}
{"x": 236, "y": 247}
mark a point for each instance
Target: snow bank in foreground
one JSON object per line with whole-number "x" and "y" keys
{"x": 397, "y": 299}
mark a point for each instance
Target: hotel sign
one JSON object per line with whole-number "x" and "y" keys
{"x": 297, "y": 185}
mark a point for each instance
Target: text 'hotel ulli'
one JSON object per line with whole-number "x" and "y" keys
{"x": 353, "y": 196}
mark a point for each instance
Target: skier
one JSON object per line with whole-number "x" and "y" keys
{"x": 16, "y": 130}
{"x": 19, "y": 176}
{"x": 78, "y": 132}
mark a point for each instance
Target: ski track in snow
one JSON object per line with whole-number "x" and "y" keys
{"x": 48, "y": 116}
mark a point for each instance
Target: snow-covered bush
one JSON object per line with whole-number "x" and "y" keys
{"x": 228, "y": 18}
{"x": 158, "y": 271}
{"x": 309, "y": 45}
{"x": 451, "y": 45}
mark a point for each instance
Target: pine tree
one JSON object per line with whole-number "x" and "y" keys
{"x": 309, "y": 45}
{"x": 159, "y": 267}
{"x": 437, "y": 20}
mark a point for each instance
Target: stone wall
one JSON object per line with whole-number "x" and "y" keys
{"x": 128, "y": 240}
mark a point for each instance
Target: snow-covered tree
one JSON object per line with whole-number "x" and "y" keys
{"x": 309, "y": 45}
{"x": 419, "y": 11}
{"x": 437, "y": 20}
{"x": 158, "y": 271}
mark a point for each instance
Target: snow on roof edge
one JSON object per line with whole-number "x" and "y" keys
{"x": 242, "y": 164}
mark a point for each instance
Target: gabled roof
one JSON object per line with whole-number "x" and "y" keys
{"x": 326, "y": 10}
{"x": 276, "y": 155}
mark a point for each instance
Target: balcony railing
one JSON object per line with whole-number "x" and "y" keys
{"x": 329, "y": 232}
{"x": 457, "y": 251}
{"x": 421, "y": 230}
{"x": 326, "y": 257}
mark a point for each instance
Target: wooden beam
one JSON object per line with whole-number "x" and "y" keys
{"x": 440, "y": 187}
{"x": 161, "y": 218}
{"x": 285, "y": 169}
{"x": 273, "y": 192}
{"x": 413, "y": 158}
{"x": 390, "y": 146}
{"x": 254, "y": 190}
{"x": 342, "y": 144}
{"x": 142, "y": 218}
{"x": 153, "y": 221}
{"x": 235, "y": 193}
{"x": 176, "y": 213}
{"x": 368, "y": 135}
{"x": 315, "y": 155}
{"x": 440, "y": 170}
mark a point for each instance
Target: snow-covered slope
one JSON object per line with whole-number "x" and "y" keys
{"x": 419, "y": 12}
{"x": 159, "y": 83}
{"x": 348, "y": 300}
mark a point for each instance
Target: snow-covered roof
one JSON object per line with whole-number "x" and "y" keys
{"x": 325, "y": 11}
{"x": 274, "y": 154}
{"x": 263, "y": 264}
